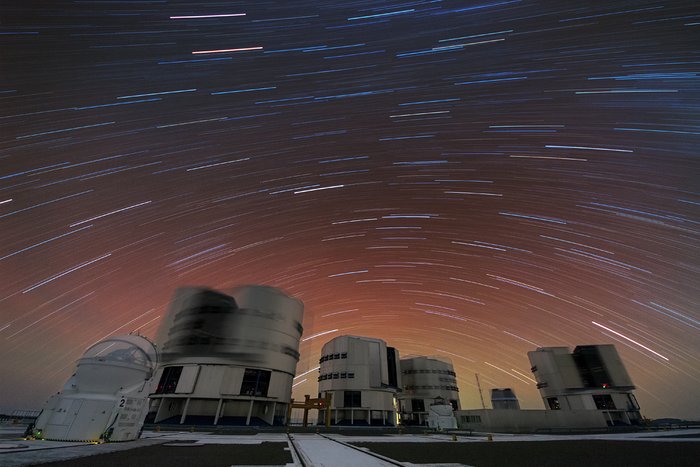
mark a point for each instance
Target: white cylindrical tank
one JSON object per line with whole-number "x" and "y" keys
{"x": 106, "y": 398}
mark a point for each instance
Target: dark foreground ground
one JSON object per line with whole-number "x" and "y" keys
{"x": 496, "y": 454}
{"x": 206, "y": 455}
{"x": 589, "y": 453}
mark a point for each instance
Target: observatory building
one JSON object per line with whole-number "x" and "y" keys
{"x": 587, "y": 389}
{"x": 227, "y": 359}
{"x": 504, "y": 399}
{"x": 426, "y": 381}
{"x": 592, "y": 377}
{"x": 363, "y": 376}
{"x": 107, "y": 396}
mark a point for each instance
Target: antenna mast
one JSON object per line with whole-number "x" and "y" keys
{"x": 481, "y": 395}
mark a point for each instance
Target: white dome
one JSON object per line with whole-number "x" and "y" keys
{"x": 132, "y": 349}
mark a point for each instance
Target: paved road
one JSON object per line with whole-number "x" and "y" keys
{"x": 318, "y": 451}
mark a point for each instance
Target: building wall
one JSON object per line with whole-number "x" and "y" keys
{"x": 529, "y": 421}
{"x": 555, "y": 370}
{"x": 616, "y": 369}
{"x": 215, "y": 381}
{"x": 357, "y": 371}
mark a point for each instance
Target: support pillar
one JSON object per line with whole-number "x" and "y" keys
{"x": 306, "y": 410}
{"x": 272, "y": 413}
{"x": 218, "y": 411}
{"x": 250, "y": 412}
{"x": 329, "y": 401}
{"x": 160, "y": 408}
{"x": 184, "y": 411}
{"x": 289, "y": 412}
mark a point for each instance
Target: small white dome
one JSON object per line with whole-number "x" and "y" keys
{"x": 129, "y": 348}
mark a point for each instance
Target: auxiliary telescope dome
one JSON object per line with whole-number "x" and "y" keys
{"x": 106, "y": 398}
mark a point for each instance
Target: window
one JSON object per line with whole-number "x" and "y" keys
{"x": 471, "y": 418}
{"x": 336, "y": 376}
{"x": 344, "y": 355}
{"x": 391, "y": 359}
{"x": 169, "y": 379}
{"x": 351, "y": 375}
{"x": 352, "y": 399}
{"x": 604, "y": 402}
{"x": 417, "y": 405}
{"x": 343, "y": 375}
{"x": 553, "y": 403}
{"x": 255, "y": 382}
{"x": 632, "y": 402}
{"x": 336, "y": 356}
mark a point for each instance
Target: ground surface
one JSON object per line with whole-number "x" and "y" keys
{"x": 197, "y": 455}
{"x": 585, "y": 453}
{"x": 678, "y": 448}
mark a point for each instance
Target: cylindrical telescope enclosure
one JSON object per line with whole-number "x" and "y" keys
{"x": 257, "y": 326}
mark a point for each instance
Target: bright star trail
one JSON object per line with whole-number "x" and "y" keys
{"x": 460, "y": 178}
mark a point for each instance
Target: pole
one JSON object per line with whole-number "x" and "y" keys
{"x": 329, "y": 400}
{"x": 289, "y": 411}
{"x": 481, "y": 396}
{"x": 306, "y": 410}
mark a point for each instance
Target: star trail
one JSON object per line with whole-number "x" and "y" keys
{"x": 469, "y": 179}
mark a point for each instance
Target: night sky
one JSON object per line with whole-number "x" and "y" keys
{"x": 470, "y": 179}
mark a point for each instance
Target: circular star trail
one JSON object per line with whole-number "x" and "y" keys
{"x": 465, "y": 179}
